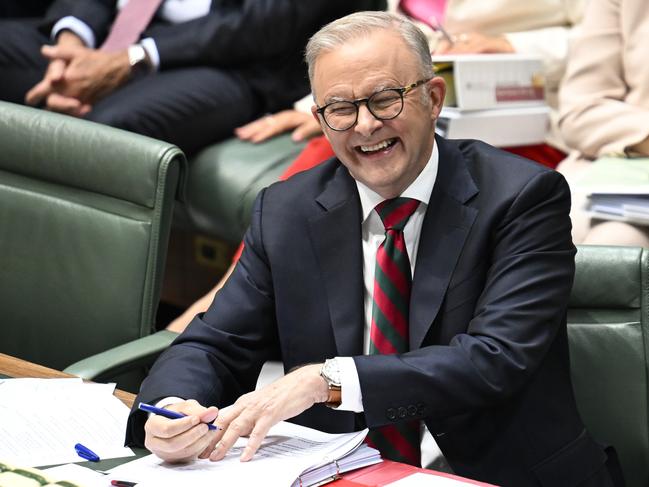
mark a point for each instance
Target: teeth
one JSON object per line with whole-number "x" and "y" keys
{"x": 372, "y": 148}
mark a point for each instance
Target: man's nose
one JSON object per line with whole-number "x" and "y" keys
{"x": 366, "y": 124}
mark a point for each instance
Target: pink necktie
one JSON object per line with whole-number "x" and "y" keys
{"x": 130, "y": 22}
{"x": 430, "y": 12}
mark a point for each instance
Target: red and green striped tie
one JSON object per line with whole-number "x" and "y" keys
{"x": 389, "y": 330}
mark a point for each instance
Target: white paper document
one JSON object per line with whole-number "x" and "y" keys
{"x": 424, "y": 480}
{"x": 42, "y": 419}
{"x": 291, "y": 455}
{"x": 77, "y": 474}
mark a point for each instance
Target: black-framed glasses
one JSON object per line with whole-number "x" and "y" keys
{"x": 383, "y": 105}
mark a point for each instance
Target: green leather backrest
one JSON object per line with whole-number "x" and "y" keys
{"x": 85, "y": 213}
{"x": 608, "y": 329}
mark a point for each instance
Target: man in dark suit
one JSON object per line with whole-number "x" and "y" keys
{"x": 23, "y": 8}
{"x": 485, "y": 364}
{"x": 200, "y": 68}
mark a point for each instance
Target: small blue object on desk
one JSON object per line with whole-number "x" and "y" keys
{"x": 86, "y": 453}
{"x": 167, "y": 413}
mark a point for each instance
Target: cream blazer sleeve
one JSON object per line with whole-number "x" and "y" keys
{"x": 604, "y": 99}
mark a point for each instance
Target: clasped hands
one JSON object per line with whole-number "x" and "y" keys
{"x": 77, "y": 76}
{"x": 252, "y": 415}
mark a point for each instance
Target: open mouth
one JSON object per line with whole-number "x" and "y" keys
{"x": 382, "y": 146}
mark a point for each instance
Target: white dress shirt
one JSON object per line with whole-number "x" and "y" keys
{"x": 173, "y": 11}
{"x": 373, "y": 234}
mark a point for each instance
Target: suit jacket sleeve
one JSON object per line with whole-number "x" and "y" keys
{"x": 219, "y": 356}
{"x": 603, "y": 96}
{"x": 251, "y": 31}
{"x": 515, "y": 319}
{"x": 97, "y": 14}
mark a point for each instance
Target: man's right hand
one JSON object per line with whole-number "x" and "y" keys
{"x": 184, "y": 439}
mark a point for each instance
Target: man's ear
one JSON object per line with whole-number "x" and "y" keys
{"x": 314, "y": 112}
{"x": 437, "y": 89}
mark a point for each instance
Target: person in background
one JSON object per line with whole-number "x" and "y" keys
{"x": 605, "y": 106}
{"x": 410, "y": 278}
{"x": 189, "y": 75}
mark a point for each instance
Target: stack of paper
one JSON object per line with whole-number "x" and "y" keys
{"x": 41, "y": 420}
{"x": 618, "y": 189}
{"x": 291, "y": 455}
{"x": 498, "y": 98}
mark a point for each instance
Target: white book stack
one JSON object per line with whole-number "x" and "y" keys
{"x": 618, "y": 189}
{"x": 497, "y": 98}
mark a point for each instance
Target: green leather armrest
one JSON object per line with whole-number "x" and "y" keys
{"x": 129, "y": 356}
{"x": 224, "y": 180}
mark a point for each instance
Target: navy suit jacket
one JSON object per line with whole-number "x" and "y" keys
{"x": 263, "y": 40}
{"x": 488, "y": 369}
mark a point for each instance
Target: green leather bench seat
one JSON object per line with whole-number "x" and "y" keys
{"x": 224, "y": 180}
{"x": 609, "y": 351}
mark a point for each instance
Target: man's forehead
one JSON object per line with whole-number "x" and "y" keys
{"x": 363, "y": 66}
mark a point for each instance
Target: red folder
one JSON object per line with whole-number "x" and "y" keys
{"x": 387, "y": 471}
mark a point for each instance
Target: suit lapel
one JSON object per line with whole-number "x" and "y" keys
{"x": 446, "y": 226}
{"x": 336, "y": 238}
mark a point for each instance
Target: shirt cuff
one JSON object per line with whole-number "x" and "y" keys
{"x": 151, "y": 49}
{"x": 167, "y": 401}
{"x": 77, "y": 26}
{"x": 351, "y": 397}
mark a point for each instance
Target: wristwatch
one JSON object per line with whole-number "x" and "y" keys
{"x": 138, "y": 59}
{"x": 331, "y": 373}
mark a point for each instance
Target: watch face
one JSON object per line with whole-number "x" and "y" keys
{"x": 136, "y": 55}
{"x": 331, "y": 371}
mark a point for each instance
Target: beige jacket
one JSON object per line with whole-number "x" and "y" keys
{"x": 604, "y": 99}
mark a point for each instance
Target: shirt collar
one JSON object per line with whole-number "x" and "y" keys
{"x": 420, "y": 189}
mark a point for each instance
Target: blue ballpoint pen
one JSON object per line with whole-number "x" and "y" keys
{"x": 86, "y": 453}
{"x": 167, "y": 413}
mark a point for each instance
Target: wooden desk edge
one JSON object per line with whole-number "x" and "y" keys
{"x": 18, "y": 368}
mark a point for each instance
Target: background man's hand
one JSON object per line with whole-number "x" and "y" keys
{"x": 474, "y": 43}
{"x": 255, "y": 413}
{"x": 184, "y": 439}
{"x": 54, "y": 73}
{"x": 89, "y": 75}
{"x": 302, "y": 124}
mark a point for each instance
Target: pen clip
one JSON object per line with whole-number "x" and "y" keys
{"x": 86, "y": 453}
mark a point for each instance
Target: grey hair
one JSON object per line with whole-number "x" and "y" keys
{"x": 362, "y": 24}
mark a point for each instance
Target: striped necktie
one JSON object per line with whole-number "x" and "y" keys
{"x": 129, "y": 24}
{"x": 389, "y": 329}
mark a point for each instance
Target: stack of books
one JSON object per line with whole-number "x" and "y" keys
{"x": 618, "y": 189}
{"x": 497, "y": 98}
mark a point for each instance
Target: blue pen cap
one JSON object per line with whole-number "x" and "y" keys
{"x": 86, "y": 453}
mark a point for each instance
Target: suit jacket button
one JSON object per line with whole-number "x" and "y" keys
{"x": 391, "y": 413}
{"x": 402, "y": 412}
{"x": 412, "y": 410}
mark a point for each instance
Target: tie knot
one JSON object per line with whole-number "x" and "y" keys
{"x": 395, "y": 213}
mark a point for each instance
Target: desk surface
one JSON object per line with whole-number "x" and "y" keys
{"x": 15, "y": 367}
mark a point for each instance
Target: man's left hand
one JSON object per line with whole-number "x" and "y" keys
{"x": 255, "y": 413}
{"x": 474, "y": 43}
{"x": 90, "y": 74}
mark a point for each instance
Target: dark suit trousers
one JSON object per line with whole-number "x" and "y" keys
{"x": 190, "y": 106}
